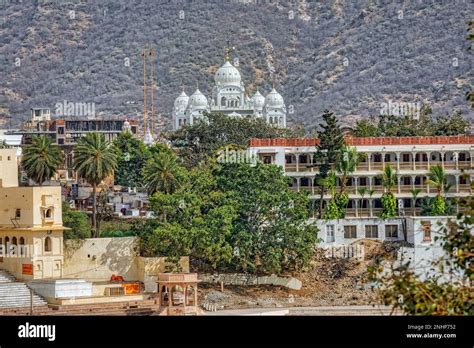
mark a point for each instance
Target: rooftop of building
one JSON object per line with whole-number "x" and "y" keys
{"x": 367, "y": 141}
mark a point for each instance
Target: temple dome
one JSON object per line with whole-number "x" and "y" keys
{"x": 274, "y": 99}
{"x": 227, "y": 75}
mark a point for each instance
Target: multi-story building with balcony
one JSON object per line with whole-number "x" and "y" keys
{"x": 411, "y": 157}
{"x": 66, "y": 131}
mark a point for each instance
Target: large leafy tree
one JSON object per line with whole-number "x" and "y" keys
{"x": 272, "y": 232}
{"x": 331, "y": 142}
{"x": 132, "y": 155}
{"x": 232, "y": 217}
{"x": 95, "y": 159}
{"x": 41, "y": 159}
{"x": 203, "y": 138}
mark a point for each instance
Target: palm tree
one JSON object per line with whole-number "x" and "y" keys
{"x": 162, "y": 173}
{"x": 95, "y": 159}
{"x": 362, "y": 191}
{"x": 370, "y": 193}
{"x": 437, "y": 178}
{"x": 347, "y": 164}
{"x": 41, "y": 159}
{"x": 389, "y": 178}
{"x": 414, "y": 193}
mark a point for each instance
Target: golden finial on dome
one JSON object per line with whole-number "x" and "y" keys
{"x": 227, "y": 54}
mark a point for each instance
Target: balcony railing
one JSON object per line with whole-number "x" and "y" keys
{"x": 421, "y": 165}
{"x": 290, "y": 167}
{"x": 464, "y": 188}
{"x": 406, "y": 165}
{"x": 376, "y": 166}
{"x": 464, "y": 164}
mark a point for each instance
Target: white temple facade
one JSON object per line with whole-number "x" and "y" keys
{"x": 230, "y": 98}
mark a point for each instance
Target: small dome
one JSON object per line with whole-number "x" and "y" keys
{"x": 274, "y": 99}
{"x": 258, "y": 100}
{"x": 227, "y": 75}
{"x": 198, "y": 100}
{"x": 181, "y": 102}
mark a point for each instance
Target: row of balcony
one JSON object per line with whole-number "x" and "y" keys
{"x": 364, "y": 166}
{"x": 462, "y": 188}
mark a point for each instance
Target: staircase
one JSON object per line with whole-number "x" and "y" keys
{"x": 15, "y": 294}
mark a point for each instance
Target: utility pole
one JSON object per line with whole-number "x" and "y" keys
{"x": 144, "y": 92}
{"x": 152, "y": 93}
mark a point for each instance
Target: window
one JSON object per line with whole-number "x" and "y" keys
{"x": 371, "y": 231}
{"x": 22, "y": 246}
{"x": 330, "y": 238}
{"x": 267, "y": 159}
{"x": 391, "y": 231}
{"x": 48, "y": 213}
{"x": 47, "y": 244}
{"x": 17, "y": 213}
{"x": 350, "y": 231}
{"x": 426, "y": 226}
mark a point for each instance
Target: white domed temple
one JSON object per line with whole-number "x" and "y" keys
{"x": 229, "y": 98}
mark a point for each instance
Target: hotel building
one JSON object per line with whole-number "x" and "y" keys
{"x": 411, "y": 157}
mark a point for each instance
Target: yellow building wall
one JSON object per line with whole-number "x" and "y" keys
{"x": 8, "y": 168}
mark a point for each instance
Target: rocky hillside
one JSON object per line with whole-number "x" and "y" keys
{"x": 348, "y": 56}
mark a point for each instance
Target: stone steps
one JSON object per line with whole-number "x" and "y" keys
{"x": 15, "y": 294}
{"x": 145, "y": 307}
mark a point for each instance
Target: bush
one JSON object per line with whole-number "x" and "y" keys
{"x": 389, "y": 206}
{"x": 78, "y": 223}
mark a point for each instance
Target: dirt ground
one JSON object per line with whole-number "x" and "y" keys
{"x": 328, "y": 282}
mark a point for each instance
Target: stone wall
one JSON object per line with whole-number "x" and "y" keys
{"x": 244, "y": 279}
{"x": 97, "y": 259}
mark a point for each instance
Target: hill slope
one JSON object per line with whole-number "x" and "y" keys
{"x": 346, "y": 56}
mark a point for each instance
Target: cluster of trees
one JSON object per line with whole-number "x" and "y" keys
{"x": 230, "y": 217}
{"x": 425, "y": 125}
{"x": 201, "y": 140}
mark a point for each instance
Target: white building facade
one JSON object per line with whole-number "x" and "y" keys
{"x": 229, "y": 97}
{"x": 410, "y": 157}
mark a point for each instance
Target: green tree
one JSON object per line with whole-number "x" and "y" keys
{"x": 214, "y": 131}
{"x": 389, "y": 202}
{"x": 163, "y": 173}
{"x": 451, "y": 125}
{"x": 132, "y": 155}
{"x": 95, "y": 159}
{"x": 233, "y": 217}
{"x": 77, "y": 221}
{"x": 346, "y": 165}
{"x": 41, "y": 159}
{"x": 329, "y": 183}
{"x": 366, "y": 128}
{"x": 437, "y": 179}
{"x": 331, "y": 141}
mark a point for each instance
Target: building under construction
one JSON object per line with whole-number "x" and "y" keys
{"x": 66, "y": 131}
